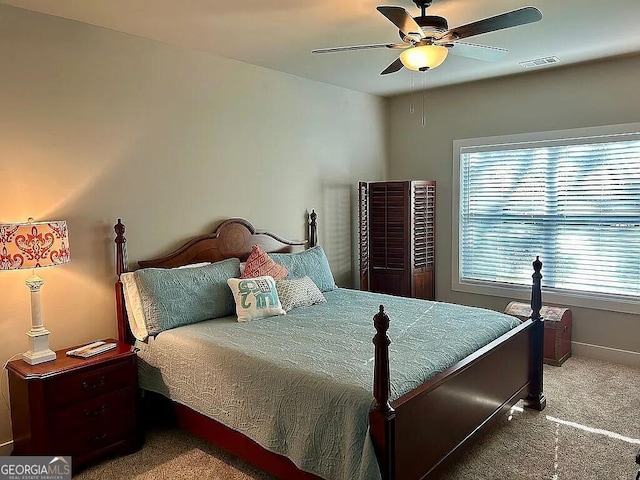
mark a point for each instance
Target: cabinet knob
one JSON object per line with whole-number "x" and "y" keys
{"x": 93, "y": 386}
{"x": 101, "y": 410}
{"x": 96, "y": 438}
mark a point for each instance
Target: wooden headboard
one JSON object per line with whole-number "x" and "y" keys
{"x": 232, "y": 238}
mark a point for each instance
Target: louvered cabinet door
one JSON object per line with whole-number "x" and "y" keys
{"x": 423, "y": 196}
{"x": 397, "y": 238}
{"x": 363, "y": 227}
{"x": 388, "y": 238}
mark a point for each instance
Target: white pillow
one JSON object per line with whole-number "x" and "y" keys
{"x": 255, "y": 297}
{"x": 133, "y": 303}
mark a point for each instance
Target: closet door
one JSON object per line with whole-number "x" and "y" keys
{"x": 389, "y": 232}
{"x": 423, "y": 223}
{"x": 363, "y": 226}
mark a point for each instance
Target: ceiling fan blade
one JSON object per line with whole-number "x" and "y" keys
{"x": 401, "y": 19}
{"x": 514, "y": 18}
{"x": 393, "y": 68}
{"x": 479, "y": 52}
{"x": 360, "y": 47}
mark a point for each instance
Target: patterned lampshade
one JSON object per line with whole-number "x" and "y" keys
{"x": 33, "y": 245}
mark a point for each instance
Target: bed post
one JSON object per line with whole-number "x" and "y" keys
{"x": 313, "y": 229}
{"x": 124, "y": 334}
{"x": 536, "y": 398}
{"x": 382, "y": 417}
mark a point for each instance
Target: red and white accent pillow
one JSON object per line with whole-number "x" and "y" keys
{"x": 260, "y": 264}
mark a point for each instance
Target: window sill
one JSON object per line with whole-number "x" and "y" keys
{"x": 554, "y": 296}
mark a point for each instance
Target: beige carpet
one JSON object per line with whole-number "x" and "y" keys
{"x": 590, "y": 430}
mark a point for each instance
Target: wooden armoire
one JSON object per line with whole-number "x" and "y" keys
{"x": 397, "y": 237}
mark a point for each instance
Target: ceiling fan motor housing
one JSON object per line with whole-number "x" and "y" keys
{"x": 431, "y": 26}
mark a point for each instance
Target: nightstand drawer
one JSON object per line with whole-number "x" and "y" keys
{"x": 96, "y": 435}
{"x": 70, "y": 388}
{"x": 110, "y": 407}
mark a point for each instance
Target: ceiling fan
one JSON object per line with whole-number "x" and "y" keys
{"x": 427, "y": 39}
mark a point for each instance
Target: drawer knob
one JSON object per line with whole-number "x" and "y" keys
{"x": 101, "y": 410}
{"x": 96, "y": 438}
{"x": 93, "y": 386}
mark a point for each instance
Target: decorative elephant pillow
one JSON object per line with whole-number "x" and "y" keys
{"x": 255, "y": 297}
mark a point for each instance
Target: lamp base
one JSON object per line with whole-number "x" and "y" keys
{"x": 39, "y": 351}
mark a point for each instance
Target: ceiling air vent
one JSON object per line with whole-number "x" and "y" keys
{"x": 540, "y": 62}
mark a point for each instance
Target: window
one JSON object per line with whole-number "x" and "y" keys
{"x": 571, "y": 197}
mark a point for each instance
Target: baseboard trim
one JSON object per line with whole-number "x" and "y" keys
{"x": 6, "y": 448}
{"x": 608, "y": 354}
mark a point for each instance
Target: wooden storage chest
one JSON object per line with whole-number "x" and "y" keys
{"x": 557, "y": 330}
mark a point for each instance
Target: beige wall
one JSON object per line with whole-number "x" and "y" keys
{"x": 602, "y": 93}
{"x": 97, "y": 125}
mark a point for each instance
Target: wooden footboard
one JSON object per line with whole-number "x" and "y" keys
{"x": 417, "y": 434}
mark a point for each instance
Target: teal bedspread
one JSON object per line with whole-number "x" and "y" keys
{"x": 301, "y": 384}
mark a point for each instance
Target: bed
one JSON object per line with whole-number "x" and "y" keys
{"x": 412, "y": 432}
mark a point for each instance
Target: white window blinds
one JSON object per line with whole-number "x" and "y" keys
{"x": 575, "y": 202}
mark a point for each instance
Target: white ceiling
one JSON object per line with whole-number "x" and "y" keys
{"x": 280, "y": 34}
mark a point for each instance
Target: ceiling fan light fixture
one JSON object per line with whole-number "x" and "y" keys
{"x": 424, "y": 57}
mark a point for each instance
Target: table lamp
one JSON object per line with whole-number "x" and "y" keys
{"x": 34, "y": 245}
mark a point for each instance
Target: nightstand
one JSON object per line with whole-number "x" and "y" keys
{"x": 85, "y": 408}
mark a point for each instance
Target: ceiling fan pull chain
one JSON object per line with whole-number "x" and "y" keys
{"x": 424, "y": 88}
{"x": 411, "y": 107}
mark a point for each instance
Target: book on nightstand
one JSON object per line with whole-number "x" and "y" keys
{"x": 91, "y": 349}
